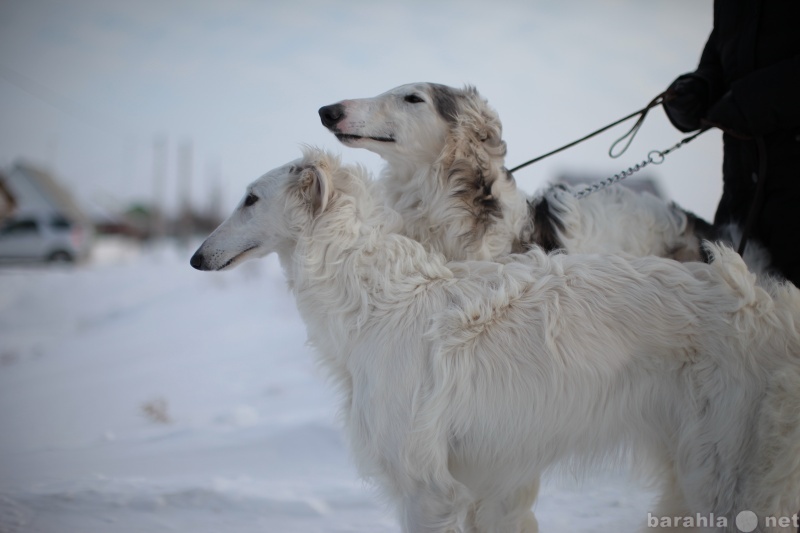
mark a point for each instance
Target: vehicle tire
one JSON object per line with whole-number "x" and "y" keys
{"x": 60, "y": 256}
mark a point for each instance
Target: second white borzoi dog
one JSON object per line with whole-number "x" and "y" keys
{"x": 446, "y": 176}
{"x": 462, "y": 381}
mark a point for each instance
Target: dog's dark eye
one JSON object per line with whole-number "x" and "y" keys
{"x": 250, "y": 200}
{"x": 413, "y": 99}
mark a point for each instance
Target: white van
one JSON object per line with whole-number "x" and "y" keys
{"x": 44, "y": 237}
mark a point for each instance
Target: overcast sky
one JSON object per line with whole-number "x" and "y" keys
{"x": 87, "y": 87}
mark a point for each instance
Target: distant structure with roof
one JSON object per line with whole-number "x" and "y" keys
{"x": 34, "y": 190}
{"x": 7, "y": 203}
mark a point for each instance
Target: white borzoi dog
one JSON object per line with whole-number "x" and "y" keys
{"x": 446, "y": 177}
{"x": 462, "y": 382}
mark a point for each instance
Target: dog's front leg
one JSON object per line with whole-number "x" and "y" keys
{"x": 432, "y": 509}
{"x": 511, "y": 514}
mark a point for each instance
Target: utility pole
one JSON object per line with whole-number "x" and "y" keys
{"x": 185, "y": 192}
{"x": 214, "y": 207}
{"x": 156, "y": 229}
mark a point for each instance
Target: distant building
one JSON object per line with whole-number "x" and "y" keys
{"x": 7, "y": 202}
{"x": 35, "y": 190}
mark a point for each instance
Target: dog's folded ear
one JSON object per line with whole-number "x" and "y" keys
{"x": 316, "y": 188}
{"x": 490, "y": 133}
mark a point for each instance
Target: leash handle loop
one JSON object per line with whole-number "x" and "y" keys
{"x": 631, "y": 134}
{"x": 658, "y": 100}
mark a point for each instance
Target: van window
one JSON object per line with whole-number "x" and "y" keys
{"x": 59, "y": 222}
{"x": 20, "y": 227}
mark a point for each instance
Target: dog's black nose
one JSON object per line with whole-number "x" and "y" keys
{"x": 197, "y": 261}
{"x": 331, "y": 114}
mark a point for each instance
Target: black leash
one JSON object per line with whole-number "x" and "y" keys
{"x": 758, "y": 199}
{"x": 658, "y": 100}
{"x": 656, "y": 157}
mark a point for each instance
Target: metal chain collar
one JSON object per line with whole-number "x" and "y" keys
{"x": 655, "y": 157}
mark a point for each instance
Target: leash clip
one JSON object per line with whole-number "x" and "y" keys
{"x": 655, "y": 157}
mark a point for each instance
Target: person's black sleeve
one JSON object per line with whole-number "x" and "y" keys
{"x": 762, "y": 102}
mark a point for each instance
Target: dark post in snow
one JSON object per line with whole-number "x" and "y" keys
{"x": 184, "y": 192}
{"x": 156, "y": 229}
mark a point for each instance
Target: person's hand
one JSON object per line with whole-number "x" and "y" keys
{"x": 686, "y": 102}
{"x": 726, "y": 115}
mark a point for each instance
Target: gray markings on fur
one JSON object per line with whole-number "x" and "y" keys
{"x": 542, "y": 229}
{"x": 472, "y": 188}
{"x": 545, "y": 226}
{"x": 702, "y": 230}
{"x": 445, "y": 101}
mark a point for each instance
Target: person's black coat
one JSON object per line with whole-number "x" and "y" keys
{"x": 748, "y": 84}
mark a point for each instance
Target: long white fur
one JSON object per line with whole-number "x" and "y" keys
{"x": 450, "y": 139}
{"x": 462, "y": 382}
{"x": 452, "y": 136}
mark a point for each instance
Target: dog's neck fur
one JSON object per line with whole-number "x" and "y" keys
{"x": 350, "y": 263}
{"x": 464, "y": 204}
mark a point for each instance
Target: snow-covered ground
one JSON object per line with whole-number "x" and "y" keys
{"x": 138, "y": 395}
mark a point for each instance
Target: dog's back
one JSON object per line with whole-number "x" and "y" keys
{"x": 619, "y": 220}
{"x": 587, "y": 314}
